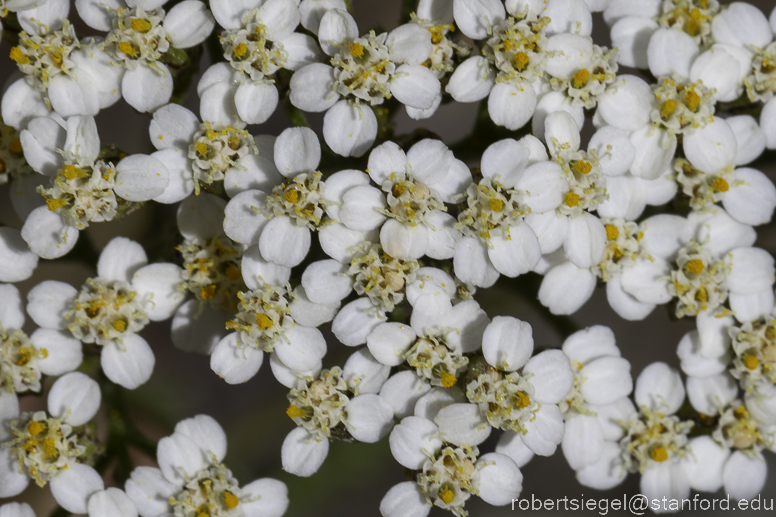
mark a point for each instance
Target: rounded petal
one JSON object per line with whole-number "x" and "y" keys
{"x": 74, "y": 397}
{"x": 550, "y": 374}
{"x": 47, "y": 235}
{"x": 160, "y": 283}
{"x": 566, "y": 288}
{"x": 511, "y": 106}
{"x": 140, "y": 177}
{"x": 303, "y": 454}
{"x": 404, "y": 500}
{"x": 462, "y": 424}
{"x": 73, "y": 486}
{"x": 256, "y": 102}
{"x": 507, "y": 343}
{"x": 145, "y": 89}
{"x": 369, "y": 418}
{"x": 130, "y": 367}
{"x": 500, "y": 479}
{"x": 349, "y": 129}
{"x": 283, "y": 243}
{"x": 660, "y": 388}
{"x": 188, "y": 24}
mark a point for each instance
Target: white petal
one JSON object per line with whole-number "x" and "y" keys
{"x": 354, "y": 322}
{"x": 13, "y": 482}
{"x": 241, "y": 223}
{"x": 712, "y": 147}
{"x": 472, "y": 80}
{"x": 369, "y": 418}
{"x": 256, "y": 102}
{"x": 140, "y": 177}
{"x": 206, "y": 433}
{"x": 744, "y": 476}
{"x": 663, "y": 482}
{"x": 655, "y": 149}
{"x": 743, "y": 25}
{"x": 195, "y": 330}
{"x": 388, "y": 341}
{"x": 566, "y": 288}
{"x": 363, "y": 373}
{"x": 63, "y": 352}
{"x": 704, "y": 464}
{"x": 188, "y": 24}
{"x": 627, "y": 104}
{"x": 507, "y": 343}
{"x": 545, "y": 184}
{"x": 752, "y": 198}
{"x": 301, "y": 50}
{"x": 297, "y": 150}
{"x": 751, "y": 270}
{"x": 131, "y": 367}
{"x": 336, "y": 26}
{"x": 180, "y": 457}
{"x": 582, "y": 440}
{"x": 361, "y": 208}
{"x": 545, "y": 431}
{"x": 567, "y": 54}
{"x": 647, "y": 281}
{"x": 75, "y": 398}
{"x": 550, "y": 374}
{"x": 631, "y": 36}
{"x": 216, "y": 103}
{"x": 340, "y": 242}
{"x": 671, "y": 51}
{"x": 181, "y": 181}
{"x": 710, "y": 394}
{"x": 500, "y": 479}
{"x": 511, "y": 444}
{"x": 266, "y": 497}
{"x": 591, "y": 343}
{"x": 349, "y": 129}
{"x": 47, "y": 304}
{"x": 608, "y": 379}
{"x": 607, "y": 472}
{"x": 474, "y": 17}
{"x": 304, "y": 350}
{"x": 312, "y": 88}
{"x": 201, "y": 216}
{"x": 585, "y": 241}
{"x": 145, "y": 89}
{"x": 312, "y": 11}
{"x": 462, "y": 424}
{"x": 150, "y": 491}
{"x": 615, "y": 150}
{"x": 284, "y": 243}
{"x": 160, "y": 283}
{"x": 409, "y": 43}
{"x": 511, "y": 106}
{"x": 550, "y": 228}
{"x": 120, "y": 259}
{"x": 233, "y": 363}
{"x": 46, "y": 234}
{"x": 472, "y": 264}
{"x": 404, "y": 500}
{"x": 660, "y": 388}
{"x": 303, "y": 454}
{"x": 403, "y": 391}
{"x": 693, "y": 363}
{"x": 21, "y": 103}
{"x": 73, "y": 486}
{"x": 16, "y": 510}
{"x": 517, "y": 255}
{"x": 415, "y": 86}
{"x": 311, "y": 314}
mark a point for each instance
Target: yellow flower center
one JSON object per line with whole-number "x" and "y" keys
{"x": 522, "y": 400}
{"x": 695, "y": 266}
{"x": 50, "y": 448}
{"x": 667, "y": 108}
{"x": 127, "y": 48}
{"x": 292, "y": 196}
{"x": 751, "y": 362}
{"x": 18, "y": 56}
{"x": 447, "y": 496}
{"x": 263, "y": 321}
{"x": 496, "y": 204}
{"x": 240, "y": 50}
{"x": 356, "y": 49}
{"x": 230, "y": 500}
{"x": 140, "y": 25}
{"x": 692, "y": 99}
{"x": 208, "y": 292}
{"x": 448, "y": 379}
{"x": 55, "y": 204}
{"x": 120, "y": 325}
{"x": 35, "y": 428}
{"x": 71, "y": 172}
{"x": 582, "y": 167}
{"x": 581, "y": 78}
{"x": 720, "y": 185}
{"x": 611, "y": 232}
{"x": 295, "y": 412}
{"x": 201, "y": 148}
{"x": 572, "y": 199}
{"x": 659, "y": 453}
{"x": 521, "y": 61}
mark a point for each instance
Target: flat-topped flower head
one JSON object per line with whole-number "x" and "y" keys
{"x": 320, "y": 406}
{"x": 622, "y": 247}
{"x": 81, "y": 195}
{"x": 53, "y": 446}
{"x": 300, "y": 199}
{"x": 250, "y": 51}
{"x": 363, "y": 69}
{"x": 211, "y": 270}
{"x": 587, "y": 84}
{"x": 516, "y": 47}
{"x": 449, "y": 477}
{"x": 192, "y": 480}
{"x": 213, "y": 151}
{"x": 12, "y": 162}
{"x": 105, "y": 311}
{"x": 754, "y": 344}
{"x": 43, "y": 56}
{"x": 380, "y": 277}
{"x": 263, "y": 316}
{"x": 19, "y": 362}
{"x": 136, "y": 37}
{"x": 506, "y": 399}
{"x": 698, "y": 280}
{"x": 693, "y": 17}
{"x": 681, "y": 106}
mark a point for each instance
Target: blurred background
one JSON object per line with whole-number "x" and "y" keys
{"x": 355, "y": 476}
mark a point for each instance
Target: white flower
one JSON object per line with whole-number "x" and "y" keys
{"x": 16, "y": 510}
{"x": 191, "y": 475}
{"x": 139, "y": 38}
{"x": 197, "y": 155}
{"x": 340, "y": 403}
{"x": 83, "y": 188}
{"x": 44, "y": 446}
{"x": 111, "y": 502}
{"x": 259, "y": 40}
{"x": 108, "y": 311}
{"x": 364, "y": 72}
{"x": 71, "y": 77}
{"x": 518, "y": 179}
{"x": 521, "y": 393}
{"x": 447, "y": 465}
{"x": 280, "y": 222}
{"x": 17, "y": 263}
{"x": 602, "y": 383}
{"x": 754, "y": 345}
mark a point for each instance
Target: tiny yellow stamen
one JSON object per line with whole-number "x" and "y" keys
{"x": 611, "y": 232}
{"x": 263, "y": 321}
{"x": 521, "y": 61}
{"x": 448, "y": 379}
{"x": 356, "y": 49}
{"x": 522, "y": 400}
{"x": 71, "y": 172}
{"x": 119, "y": 325}
{"x": 240, "y": 50}
{"x": 230, "y": 500}
{"x": 572, "y": 199}
{"x": 581, "y": 78}
{"x": 447, "y": 496}
{"x": 667, "y": 108}
{"x": 397, "y": 190}
{"x": 695, "y": 266}
{"x": 295, "y": 412}
{"x": 127, "y": 48}
{"x": 18, "y": 56}
{"x": 582, "y": 167}
{"x": 234, "y": 143}
{"x": 55, "y": 204}
{"x": 208, "y": 292}
{"x": 201, "y": 148}
{"x": 140, "y": 25}
{"x": 496, "y": 205}
{"x": 693, "y": 100}
{"x": 720, "y": 185}
{"x": 292, "y": 196}
{"x": 16, "y": 146}
{"x": 35, "y": 428}
{"x": 659, "y": 453}
{"x": 751, "y": 362}
{"x": 49, "y": 448}
{"x": 56, "y": 57}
